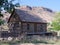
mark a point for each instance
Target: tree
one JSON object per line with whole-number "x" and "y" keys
{"x": 56, "y": 22}
{"x": 8, "y": 6}
{"x": 1, "y": 22}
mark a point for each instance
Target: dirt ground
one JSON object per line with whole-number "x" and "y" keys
{"x": 36, "y": 44}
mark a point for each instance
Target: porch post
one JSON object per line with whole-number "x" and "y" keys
{"x": 21, "y": 26}
{"x": 35, "y": 28}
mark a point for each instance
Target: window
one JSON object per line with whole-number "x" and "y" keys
{"x": 24, "y": 26}
{"x": 27, "y": 26}
{"x": 40, "y": 28}
{"x": 14, "y": 16}
{"x": 16, "y": 24}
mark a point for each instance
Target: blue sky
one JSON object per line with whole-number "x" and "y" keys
{"x": 52, "y": 4}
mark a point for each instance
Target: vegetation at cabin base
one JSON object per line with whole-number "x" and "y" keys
{"x": 56, "y": 23}
{"x": 26, "y": 41}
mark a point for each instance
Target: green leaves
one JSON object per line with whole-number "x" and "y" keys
{"x": 56, "y": 22}
{"x": 1, "y": 22}
{"x": 56, "y": 26}
{"x": 1, "y": 2}
{"x": 8, "y": 5}
{"x": 1, "y": 15}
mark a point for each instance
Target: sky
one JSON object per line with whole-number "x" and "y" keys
{"x": 51, "y": 4}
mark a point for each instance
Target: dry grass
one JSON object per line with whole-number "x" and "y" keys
{"x": 34, "y": 41}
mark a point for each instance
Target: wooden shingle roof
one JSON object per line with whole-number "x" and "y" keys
{"x": 34, "y": 14}
{"x": 28, "y": 16}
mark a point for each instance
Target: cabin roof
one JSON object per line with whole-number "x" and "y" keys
{"x": 28, "y": 16}
{"x": 32, "y": 14}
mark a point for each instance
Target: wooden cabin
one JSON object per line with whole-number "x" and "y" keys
{"x": 24, "y": 20}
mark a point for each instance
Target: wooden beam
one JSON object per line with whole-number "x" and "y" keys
{"x": 35, "y": 27}
{"x": 21, "y": 26}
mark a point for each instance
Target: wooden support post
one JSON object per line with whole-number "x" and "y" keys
{"x": 21, "y": 26}
{"x": 35, "y": 27}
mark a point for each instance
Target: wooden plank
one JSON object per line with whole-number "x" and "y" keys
{"x": 35, "y": 27}
{"x": 21, "y": 25}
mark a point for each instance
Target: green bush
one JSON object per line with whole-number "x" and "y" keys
{"x": 1, "y": 15}
{"x": 1, "y": 22}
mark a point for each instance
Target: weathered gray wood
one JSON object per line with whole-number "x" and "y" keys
{"x": 16, "y": 25}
